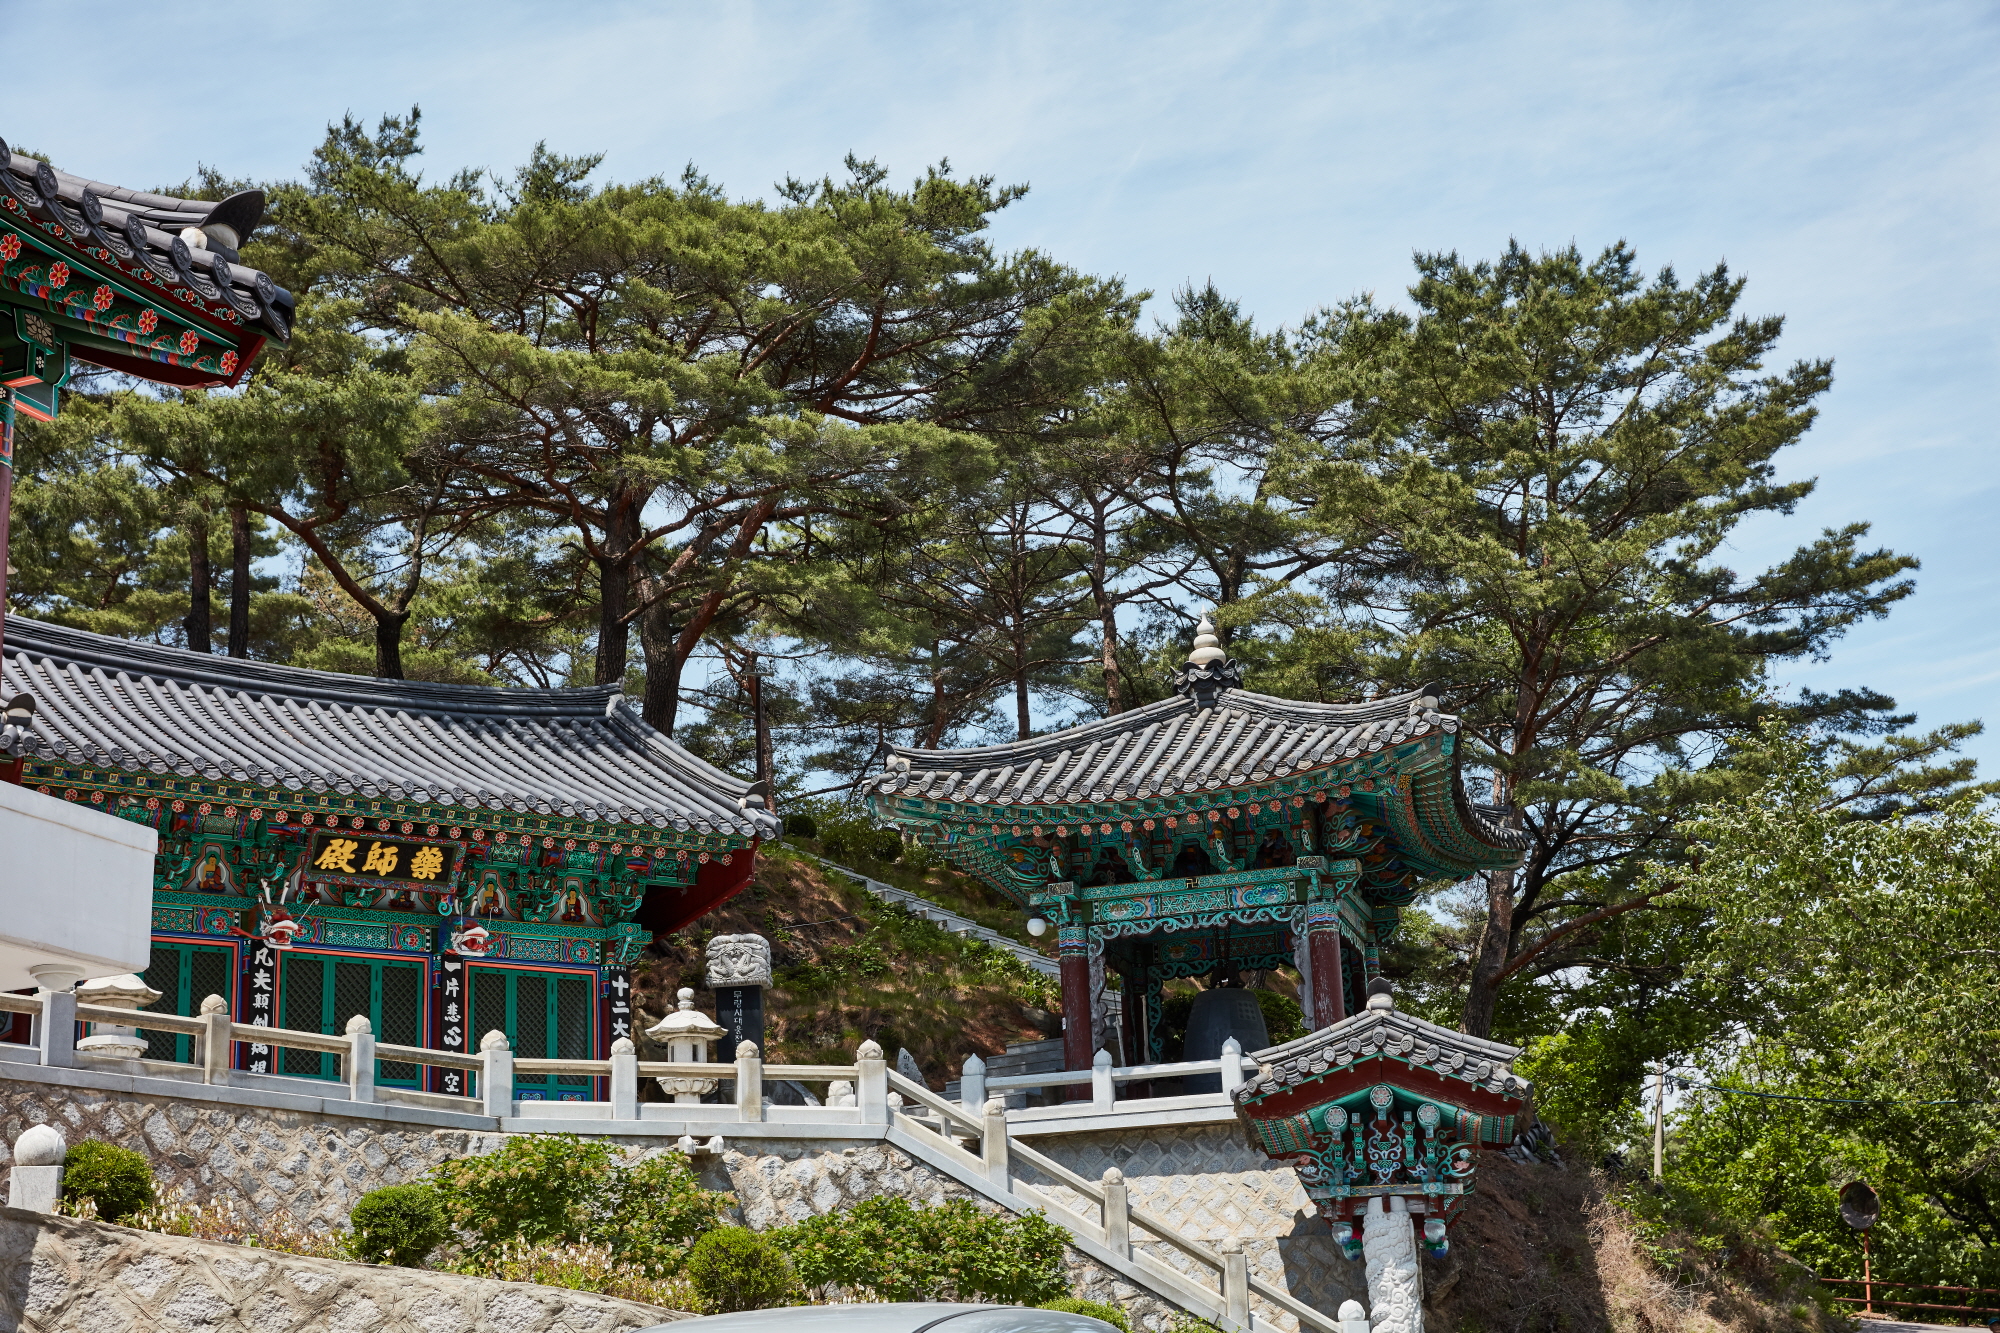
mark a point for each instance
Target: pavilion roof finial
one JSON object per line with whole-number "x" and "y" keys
{"x": 1207, "y": 648}
{"x": 1209, "y": 669}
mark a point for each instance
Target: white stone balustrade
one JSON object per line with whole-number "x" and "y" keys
{"x": 980, "y": 1146}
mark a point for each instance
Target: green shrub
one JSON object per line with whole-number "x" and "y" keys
{"x": 117, "y": 1180}
{"x": 734, "y": 1268}
{"x": 398, "y": 1224}
{"x": 653, "y": 1211}
{"x": 801, "y": 826}
{"x": 1110, "y": 1314}
{"x": 557, "y": 1189}
{"x": 885, "y": 1249}
{"x": 537, "y": 1188}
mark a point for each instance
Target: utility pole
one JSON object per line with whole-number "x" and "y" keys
{"x": 755, "y": 679}
{"x": 1660, "y": 1123}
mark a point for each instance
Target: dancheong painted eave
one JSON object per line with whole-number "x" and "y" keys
{"x": 117, "y": 705}
{"x": 150, "y": 284}
{"x": 1397, "y": 755}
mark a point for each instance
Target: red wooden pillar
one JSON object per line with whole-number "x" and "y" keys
{"x": 1073, "y": 956}
{"x": 1329, "y": 987}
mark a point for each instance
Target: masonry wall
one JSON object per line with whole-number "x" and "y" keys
{"x": 1202, "y": 1179}
{"x": 61, "y": 1275}
{"x": 262, "y": 1160}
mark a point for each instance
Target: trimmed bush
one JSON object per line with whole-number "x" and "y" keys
{"x": 653, "y": 1211}
{"x": 398, "y": 1224}
{"x": 889, "y": 1251}
{"x": 734, "y": 1268}
{"x": 801, "y": 826}
{"x": 1110, "y": 1314}
{"x": 538, "y": 1188}
{"x": 558, "y": 1189}
{"x": 117, "y": 1180}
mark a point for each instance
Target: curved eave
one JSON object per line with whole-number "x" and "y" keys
{"x": 112, "y": 705}
{"x": 1406, "y": 775}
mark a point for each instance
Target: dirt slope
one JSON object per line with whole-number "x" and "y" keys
{"x": 1547, "y": 1247}
{"x": 849, "y": 968}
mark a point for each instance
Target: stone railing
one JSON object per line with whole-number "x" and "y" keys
{"x": 970, "y": 1140}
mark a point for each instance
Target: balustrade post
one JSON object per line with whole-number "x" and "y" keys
{"x": 57, "y": 1037}
{"x": 215, "y": 1043}
{"x": 624, "y": 1080}
{"x": 360, "y": 1059}
{"x": 872, "y": 1078}
{"x": 35, "y": 1183}
{"x": 972, "y": 1084}
{"x": 1117, "y": 1213}
{"x": 1235, "y": 1282}
{"x": 496, "y": 1075}
{"x": 1103, "y": 1092}
{"x": 749, "y": 1082}
{"x": 1232, "y": 1065}
{"x": 993, "y": 1145}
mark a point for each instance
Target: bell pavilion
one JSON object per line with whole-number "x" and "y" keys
{"x": 445, "y": 859}
{"x": 1218, "y": 829}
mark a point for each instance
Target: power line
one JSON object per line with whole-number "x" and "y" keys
{"x": 1683, "y": 1085}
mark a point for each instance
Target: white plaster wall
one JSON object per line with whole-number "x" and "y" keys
{"x": 76, "y": 886}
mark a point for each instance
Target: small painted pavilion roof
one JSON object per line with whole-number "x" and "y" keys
{"x": 1175, "y": 745}
{"x": 139, "y": 236}
{"x": 1379, "y": 1034}
{"x": 582, "y": 753}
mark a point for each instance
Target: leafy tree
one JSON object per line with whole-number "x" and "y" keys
{"x": 680, "y": 383}
{"x": 1534, "y": 481}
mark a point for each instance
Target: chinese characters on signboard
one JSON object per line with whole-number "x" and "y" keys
{"x": 356, "y": 855}
{"x": 618, "y": 1012}
{"x": 449, "y": 1021}
{"x": 260, "y": 985}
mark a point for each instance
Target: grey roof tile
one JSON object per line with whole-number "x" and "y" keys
{"x": 138, "y": 706}
{"x": 1373, "y": 1032}
{"x": 141, "y": 232}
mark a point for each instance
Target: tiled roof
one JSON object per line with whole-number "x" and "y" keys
{"x": 580, "y": 753}
{"x": 1375, "y": 1034}
{"x": 1178, "y": 745}
{"x": 143, "y": 233}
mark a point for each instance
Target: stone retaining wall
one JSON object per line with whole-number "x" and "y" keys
{"x": 1201, "y": 1178}
{"x": 62, "y": 1275}
{"x": 261, "y": 1160}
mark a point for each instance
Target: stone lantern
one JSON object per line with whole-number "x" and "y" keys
{"x": 687, "y": 1034}
{"x": 122, "y": 992}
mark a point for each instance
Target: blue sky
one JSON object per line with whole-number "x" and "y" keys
{"x": 1845, "y": 157}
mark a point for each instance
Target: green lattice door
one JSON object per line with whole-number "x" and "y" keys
{"x": 546, "y": 1015}
{"x": 320, "y": 992}
{"x": 184, "y": 975}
